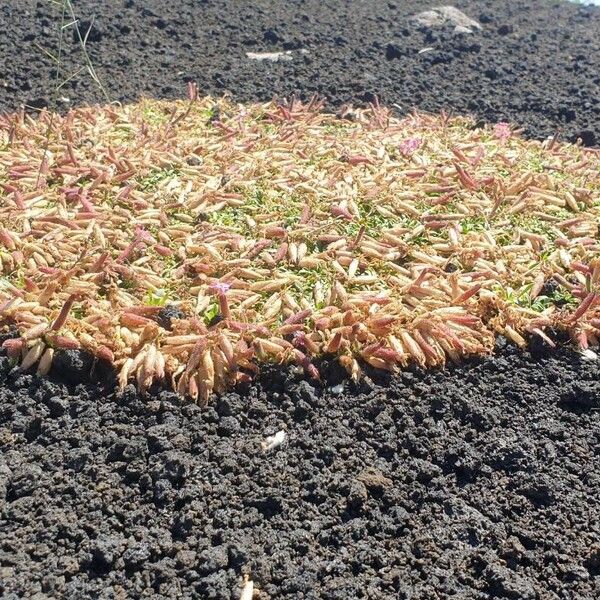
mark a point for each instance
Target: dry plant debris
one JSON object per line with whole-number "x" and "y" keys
{"x": 190, "y": 241}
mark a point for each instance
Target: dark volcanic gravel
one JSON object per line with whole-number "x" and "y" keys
{"x": 479, "y": 482}
{"x": 535, "y": 62}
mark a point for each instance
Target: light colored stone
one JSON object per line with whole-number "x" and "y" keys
{"x": 270, "y": 56}
{"x": 442, "y": 15}
{"x": 429, "y": 18}
{"x": 462, "y": 29}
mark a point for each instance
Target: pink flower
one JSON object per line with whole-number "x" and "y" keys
{"x": 219, "y": 287}
{"x": 409, "y": 146}
{"x": 142, "y": 235}
{"x": 502, "y": 131}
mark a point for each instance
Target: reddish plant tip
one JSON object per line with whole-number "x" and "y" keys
{"x": 502, "y": 131}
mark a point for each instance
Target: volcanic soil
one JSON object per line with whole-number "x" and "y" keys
{"x": 534, "y": 62}
{"x": 478, "y": 481}
{"x": 474, "y": 482}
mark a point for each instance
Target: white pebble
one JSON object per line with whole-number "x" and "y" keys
{"x": 248, "y": 590}
{"x": 273, "y": 441}
{"x": 589, "y": 354}
{"x": 270, "y": 56}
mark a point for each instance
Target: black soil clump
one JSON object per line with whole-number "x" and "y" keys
{"x": 480, "y": 481}
{"x": 167, "y": 313}
{"x": 533, "y": 62}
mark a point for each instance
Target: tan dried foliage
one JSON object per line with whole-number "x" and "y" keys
{"x": 283, "y": 233}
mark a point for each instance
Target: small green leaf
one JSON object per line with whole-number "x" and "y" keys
{"x": 472, "y": 224}
{"x": 157, "y": 297}
{"x": 211, "y": 312}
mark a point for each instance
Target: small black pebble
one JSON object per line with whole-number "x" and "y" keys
{"x": 167, "y": 313}
{"x": 215, "y": 320}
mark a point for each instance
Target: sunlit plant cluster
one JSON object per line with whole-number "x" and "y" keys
{"x": 189, "y": 242}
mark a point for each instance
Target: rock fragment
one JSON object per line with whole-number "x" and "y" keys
{"x": 281, "y": 56}
{"x": 446, "y": 15}
{"x": 270, "y": 56}
{"x": 374, "y": 479}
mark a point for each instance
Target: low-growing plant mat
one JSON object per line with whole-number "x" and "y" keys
{"x": 479, "y": 481}
{"x": 191, "y": 241}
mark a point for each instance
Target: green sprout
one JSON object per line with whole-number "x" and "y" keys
{"x": 560, "y": 297}
{"x": 155, "y": 177}
{"x": 269, "y": 128}
{"x": 78, "y": 312}
{"x": 259, "y": 200}
{"x": 255, "y": 197}
{"x": 20, "y": 280}
{"x": 563, "y": 297}
{"x": 336, "y": 129}
{"x": 472, "y": 224}
{"x": 521, "y": 297}
{"x": 533, "y": 225}
{"x": 547, "y": 252}
{"x": 210, "y": 112}
{"x": 157, "y": 297}
{"x": 127, "y": 284}
{"x": 535, "y": 164}
{"x": 124, "y": 132}
{"x": 303, "y": 287}
{"x": 211, "y": 313}
{"x": 232, "y": 218}
{"x": 170, "y": 264}
{"x": 153, "y": 116}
